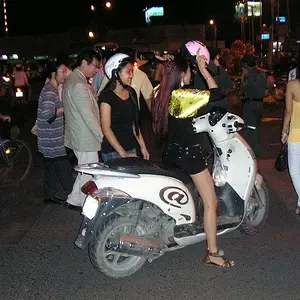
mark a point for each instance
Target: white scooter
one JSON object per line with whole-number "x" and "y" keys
{"x": 136, "y": 210}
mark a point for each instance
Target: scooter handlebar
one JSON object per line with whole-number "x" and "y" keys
{"x": 243, "y": 125}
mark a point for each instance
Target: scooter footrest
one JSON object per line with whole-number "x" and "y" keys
{"x": 222, "y": 220}
{"x": 197, "y": 227}
{"x": 188, "y": 229}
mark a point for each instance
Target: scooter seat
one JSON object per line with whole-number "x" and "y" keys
{"x": 137, "y": 165}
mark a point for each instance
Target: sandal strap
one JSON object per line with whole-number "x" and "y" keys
{"x": 226, "y": 263}
{"x": 216, "y": 254}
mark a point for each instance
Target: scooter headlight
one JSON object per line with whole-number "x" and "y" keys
{"x": 219, "y": 174}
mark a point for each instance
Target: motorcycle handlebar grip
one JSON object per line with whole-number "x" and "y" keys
{"x": 239, "y": 125}
{"x": 242, "y": 125}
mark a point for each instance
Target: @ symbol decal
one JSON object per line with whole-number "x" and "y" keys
{"x": 174, "y": 196}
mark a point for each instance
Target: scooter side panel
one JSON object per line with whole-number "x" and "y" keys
{"x": 240, "y": 165}
{"x": 169, "y": 194}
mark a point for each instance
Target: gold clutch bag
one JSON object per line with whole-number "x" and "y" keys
{"x": 186, "y": 102}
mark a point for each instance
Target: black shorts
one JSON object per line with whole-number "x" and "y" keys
{"x": 190, "y": 159}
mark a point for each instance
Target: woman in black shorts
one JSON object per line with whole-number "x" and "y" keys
{"x": 184, "y": 146}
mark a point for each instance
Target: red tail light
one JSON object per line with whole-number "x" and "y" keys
{"x": 89, "y": 188}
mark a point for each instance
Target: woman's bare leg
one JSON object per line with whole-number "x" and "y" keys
{"x": 206, "y": 189}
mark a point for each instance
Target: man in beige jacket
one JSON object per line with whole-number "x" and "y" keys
{"x": 82, "y": 122}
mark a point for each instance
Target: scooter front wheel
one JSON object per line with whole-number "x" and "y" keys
{"x": 257, "y": 211}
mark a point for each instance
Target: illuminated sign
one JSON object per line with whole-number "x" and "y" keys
{"x": 254, "y": 8}
{"x": 240, "y": 10}
{"x": 281, "y": 19}
{"x": 265, "y": 36}
{"x": 248, "y": 9}
{"x": 153, "y": 12}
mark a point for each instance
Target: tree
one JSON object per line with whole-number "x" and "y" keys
{"x": 250, "y": 49}
{"x": 228, "y": 60}
{"x": 233, "y": 56}
{"x": 238, "y": 49}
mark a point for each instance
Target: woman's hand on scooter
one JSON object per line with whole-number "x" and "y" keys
{"x": 145, "y": 153}
{"x": 128, "y": 154}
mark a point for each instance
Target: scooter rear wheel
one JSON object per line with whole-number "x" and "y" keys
{"x": 105, "y": 259}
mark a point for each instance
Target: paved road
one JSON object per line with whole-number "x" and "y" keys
{"x": 40, "y": 261}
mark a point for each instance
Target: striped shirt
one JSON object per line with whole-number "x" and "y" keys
{"x": 50, "y": 126}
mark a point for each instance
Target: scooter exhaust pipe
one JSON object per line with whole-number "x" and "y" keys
{"x": 139, "y": 246}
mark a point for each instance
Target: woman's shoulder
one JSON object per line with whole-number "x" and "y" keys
{"x": 294, "y": 82}
{"x": 48, "y": 88}
{"x": 132, "y": 91}
{"x": 293, "y": 86}
{"x": 106, "y": 95}
{"x": 106, "y": 92}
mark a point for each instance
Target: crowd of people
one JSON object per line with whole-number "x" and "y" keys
{"x": 94, "y": 109}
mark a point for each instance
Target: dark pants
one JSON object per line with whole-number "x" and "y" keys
{"x": 252, "y": 115}
{"x": 57, "y": 168}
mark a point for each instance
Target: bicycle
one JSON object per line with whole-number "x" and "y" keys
{"x": 15, "y": 161}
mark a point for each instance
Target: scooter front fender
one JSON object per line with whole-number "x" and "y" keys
{"x": 89, "y": 226}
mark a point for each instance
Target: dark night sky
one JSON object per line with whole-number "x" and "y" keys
{"x": 38, "y": 17}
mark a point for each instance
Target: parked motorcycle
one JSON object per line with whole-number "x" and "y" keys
{"x": 20, "y": 94}
{"x": 137, "y": 210}
{"x": 15, "y": 94}
{"x": 6, "y": 83}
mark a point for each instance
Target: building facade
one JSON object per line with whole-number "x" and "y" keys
{"x": 164, "y": 38}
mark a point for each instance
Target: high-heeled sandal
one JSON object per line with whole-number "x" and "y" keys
{"x": 224, "y": 263}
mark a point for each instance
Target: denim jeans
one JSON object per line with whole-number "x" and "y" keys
{"x": 111, "y": 155}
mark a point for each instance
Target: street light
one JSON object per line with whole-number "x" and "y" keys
{"x": 92, "y": 7}
{"x": 5, "y": 17}
{"x": 213, "y": 32}
{"x": 108, "y": 4}
{"x": 91, "y": 34}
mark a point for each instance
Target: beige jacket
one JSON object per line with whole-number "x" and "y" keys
{"x": 82, "y": 120}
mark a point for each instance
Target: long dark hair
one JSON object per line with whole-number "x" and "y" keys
{"x": 171, "y": 80}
